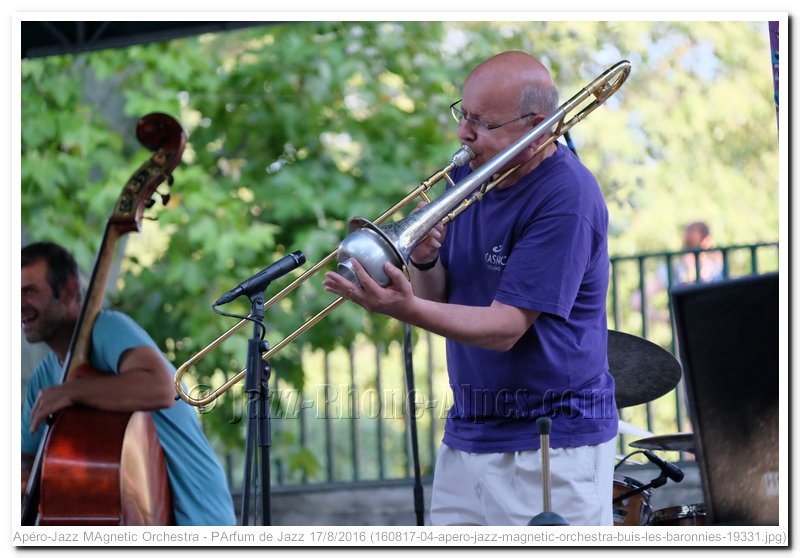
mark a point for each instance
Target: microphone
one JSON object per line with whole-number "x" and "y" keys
{"x": 258, "y": 282}
{"x": 672, "y": 471}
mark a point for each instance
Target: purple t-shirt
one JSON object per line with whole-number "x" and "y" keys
{"x": 540, "y": 245}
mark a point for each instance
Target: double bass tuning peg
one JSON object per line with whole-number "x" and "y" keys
{"x": 151, "y": 202}
{"x": 164, "y": 199}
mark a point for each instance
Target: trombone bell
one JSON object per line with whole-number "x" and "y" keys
{"x": 374, "y": 245}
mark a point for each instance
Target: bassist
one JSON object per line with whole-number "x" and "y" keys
{"x": 136, "y": 377}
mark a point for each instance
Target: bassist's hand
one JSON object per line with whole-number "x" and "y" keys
{"x": 49, "y": 401}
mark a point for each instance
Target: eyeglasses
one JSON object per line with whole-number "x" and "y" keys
{"x": 459, "y": 115}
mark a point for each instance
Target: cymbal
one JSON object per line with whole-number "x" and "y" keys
{"x": 682, "y": 441}
{"x": 642, "y": 370}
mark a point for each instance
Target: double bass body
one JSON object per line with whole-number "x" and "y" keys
{"x": 111, "y": 473}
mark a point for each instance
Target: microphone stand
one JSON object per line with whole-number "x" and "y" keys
{"x": 661, "y": 480}
{"x": 257, "y": 383}
{"x": 257, "y": 389}
{"x": 419, "y": 497}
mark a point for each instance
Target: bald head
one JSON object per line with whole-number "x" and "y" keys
{"x": 513, "y": 67}
{"x": 522, "y": 81}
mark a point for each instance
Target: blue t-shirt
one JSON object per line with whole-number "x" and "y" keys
{"x": 200, "y": 494}
{"x": 540, "y": 245}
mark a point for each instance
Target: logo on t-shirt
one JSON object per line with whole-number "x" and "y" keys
{"x": 495, "y": 259}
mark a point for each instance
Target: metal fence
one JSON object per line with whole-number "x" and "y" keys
{"x": 351, "y": 422}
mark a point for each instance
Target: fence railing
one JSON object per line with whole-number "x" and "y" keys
{"x": 350, "y": 423}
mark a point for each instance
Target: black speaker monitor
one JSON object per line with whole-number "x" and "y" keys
{"x": 728, "y": 344}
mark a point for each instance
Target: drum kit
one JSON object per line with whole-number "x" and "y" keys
{"x": 631, "y": 499}
{"x": 643, "y": 371}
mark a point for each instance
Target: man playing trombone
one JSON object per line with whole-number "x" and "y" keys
{"x": 517, "y": 286}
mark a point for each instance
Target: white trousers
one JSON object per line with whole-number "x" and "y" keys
{"x": 506, "y": 488}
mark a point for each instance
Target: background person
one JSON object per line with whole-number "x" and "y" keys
{"x": 696, "y": 236}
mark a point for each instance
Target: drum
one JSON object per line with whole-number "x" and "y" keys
{"x": 630, "y": 510}
{"x": 694, "y": 514}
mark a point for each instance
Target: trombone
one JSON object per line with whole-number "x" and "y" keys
{"x": 373, "y": 244}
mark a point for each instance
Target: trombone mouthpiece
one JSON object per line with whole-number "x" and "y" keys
{"x": 463, "y": 156}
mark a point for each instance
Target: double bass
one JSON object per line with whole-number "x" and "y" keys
{"x": 97, "y": 467}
